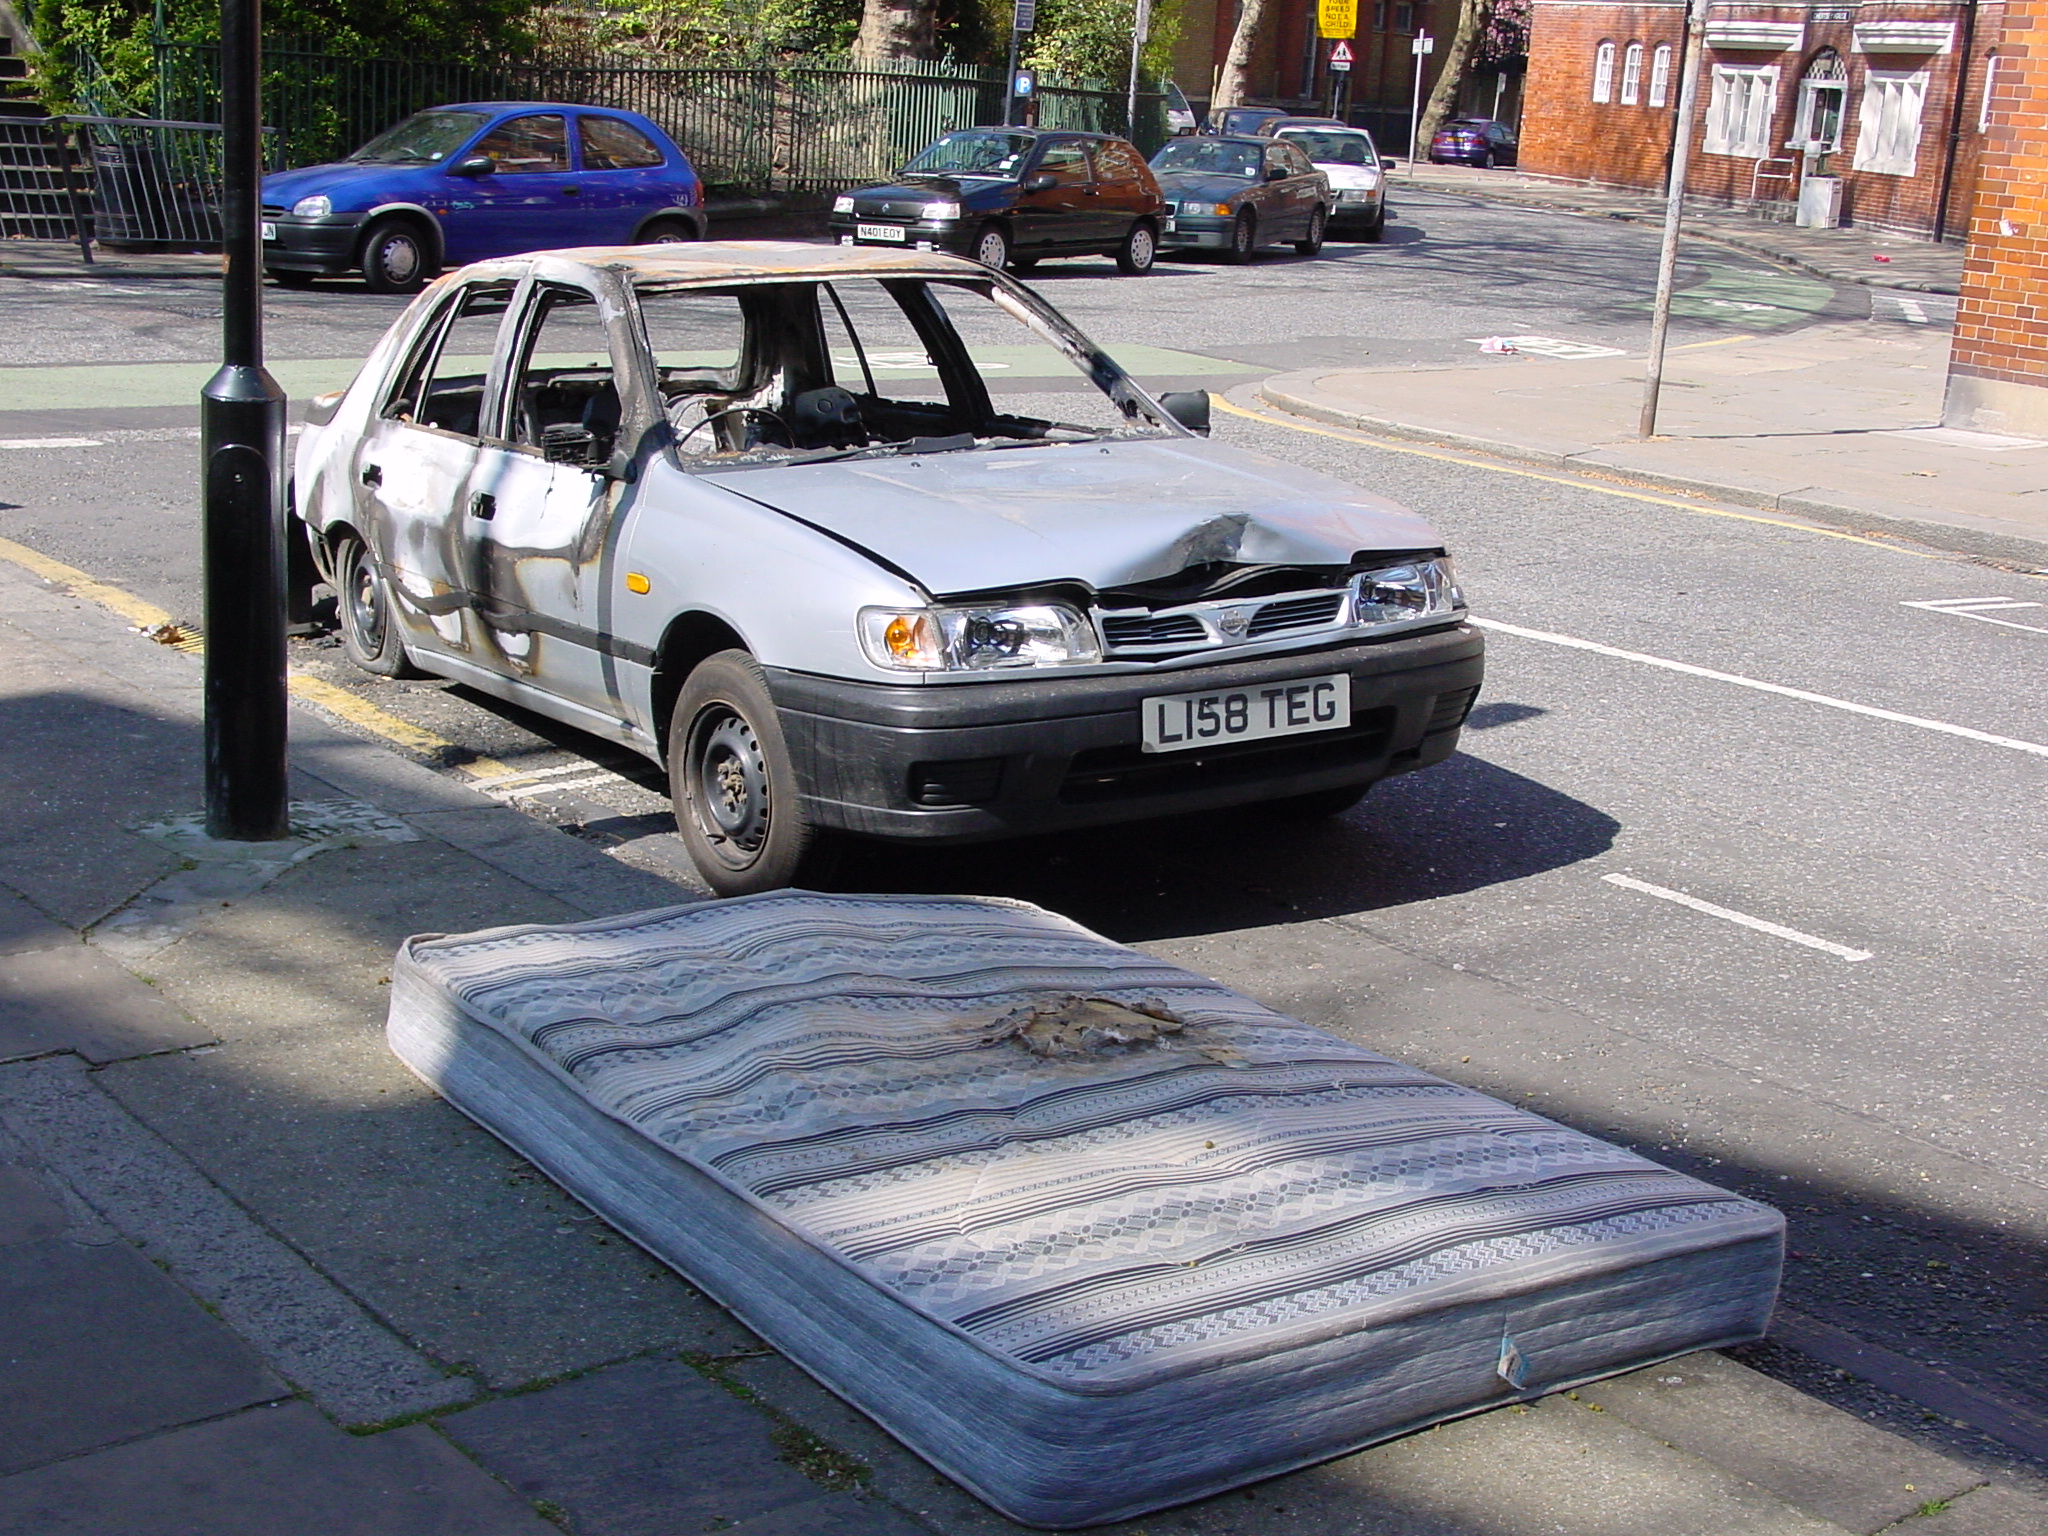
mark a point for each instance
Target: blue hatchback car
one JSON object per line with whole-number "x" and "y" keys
{"x": 457, "y": 184}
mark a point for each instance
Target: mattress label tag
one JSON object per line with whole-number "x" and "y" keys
{"x": 1513, "y": 1369}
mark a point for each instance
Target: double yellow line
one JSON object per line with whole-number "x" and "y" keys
{"x": 158, "y": 625}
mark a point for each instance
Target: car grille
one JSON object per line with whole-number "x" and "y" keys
{"x": 1148, "y": 630}
{"x": 273, "y": 210}
{"x": 1128, "y": 772}
{"x": 1295, "y": 613}
{"x": 892, "y": 207}
{"x": 1195, "y": 626}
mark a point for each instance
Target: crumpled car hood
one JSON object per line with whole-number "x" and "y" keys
{"x": 1104, "y": 514}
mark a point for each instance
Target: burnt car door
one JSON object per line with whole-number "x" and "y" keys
{"x": 413, "y": 465}
{"x": 1062, "y": 214}
{"x": 541, "y": 496}
{"x": 1124, "y": 189}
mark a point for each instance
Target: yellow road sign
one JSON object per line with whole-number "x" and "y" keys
{"x": 1337, "y": 18}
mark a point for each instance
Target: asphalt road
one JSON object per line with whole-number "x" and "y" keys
{"x": 1853, "y": 1031}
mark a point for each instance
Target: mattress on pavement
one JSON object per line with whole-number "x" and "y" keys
{"x": 1092, "y": 1233}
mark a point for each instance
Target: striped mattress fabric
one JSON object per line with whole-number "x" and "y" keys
{"x": 1085, "y": 1280}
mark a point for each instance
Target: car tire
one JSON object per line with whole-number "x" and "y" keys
{"x": 286, "y": 277}
{"x": 1317, "y": 805}
{"x": 1377, "y": 229}
{"x": 1484, "y": 162}
{"x": 1244, "y": 238}
{"x": 668, "y": 232}
{"x": 397, "y": 257}
{"x": 1318, "y": 227}
{"x": 363, "y": 606}
{"x": 1140, "y": 249}
{"x": 737, "y": 804}
{"x": 992, "y": 247}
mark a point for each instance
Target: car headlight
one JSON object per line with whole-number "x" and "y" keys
{"x": 843, "y": 203}
{"x": 1397, "y": 594}
{"x": 1220, "y": 209}
{"x": 977, "y": 639}
{"x": 312, "y": 208}
{"x": 938, "y": 213}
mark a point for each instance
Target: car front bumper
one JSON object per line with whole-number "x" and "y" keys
{"x": 1198, "y": 231}
{"x": 955, "y": 235}
{"x": 326, "y": 246}
{"x": 973, "y": 761}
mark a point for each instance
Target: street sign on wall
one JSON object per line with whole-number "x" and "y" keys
{"x": 1337, "y": 18}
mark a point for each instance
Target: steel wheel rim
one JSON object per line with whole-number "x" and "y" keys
{"x": 399, "y": 257}
{"x": 729, "y": 785}
{"x": 1141, "y": 247}
{"x": 366, "y": 613}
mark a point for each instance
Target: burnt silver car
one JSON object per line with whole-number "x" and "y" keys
{"x": 862, "y": 542}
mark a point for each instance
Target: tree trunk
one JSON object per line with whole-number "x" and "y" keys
{"x": 1474, "y": 16}
{"x": 1236, "y": 81}
{"x": 897, "y": 29}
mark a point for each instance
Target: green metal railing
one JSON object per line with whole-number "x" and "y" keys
{"x": 798, "y": 126}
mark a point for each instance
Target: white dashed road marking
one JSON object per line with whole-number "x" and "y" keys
{"x": 1982, "y": 609}
{"x": 1776, "y": 930}
{"x": 51, "y": 442}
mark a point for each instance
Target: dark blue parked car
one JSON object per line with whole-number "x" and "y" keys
{"x": 456, "y": 184}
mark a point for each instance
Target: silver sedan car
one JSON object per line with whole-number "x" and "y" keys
{"x": 866, "y": 543}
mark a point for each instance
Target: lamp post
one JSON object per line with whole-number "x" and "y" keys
{"x": 1674, "y": 211}
{"x": 241, "y": 418}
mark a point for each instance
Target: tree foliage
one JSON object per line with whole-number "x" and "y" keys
{"x": 1091, "y": 39}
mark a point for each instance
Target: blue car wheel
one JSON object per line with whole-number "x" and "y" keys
{"x": 397, "y": 256}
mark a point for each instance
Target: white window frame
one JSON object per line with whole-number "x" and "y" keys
{"x": 1811, "y": 85}
{"x": 1740, "y": 109}
{"x": 1889, "y": 121}
{"x": 1632, "y": 75}
{"x": 1660, "y": 75}
{"x": 1603, "y": 72}
{"x": 1990, "y": 84}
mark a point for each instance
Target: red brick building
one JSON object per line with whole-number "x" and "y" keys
{"x": 1998, "y": 365}
{"x": 1887, "y": 95}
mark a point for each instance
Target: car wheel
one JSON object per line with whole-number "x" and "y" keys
{"x": 1140, "y": 247}
{"x": 1317, "y": 805}
{"x": 396, "y": 257}
{"x": 668, "y": 232}
{"x": 369, "y": 624}
{"x": 1318, "y": 225}
{"x": 735, "y": 792}
{"x": 1485, "y": 160}
{"x": 285, "y": 277}
{"x": 1377, "y": 229}
{"x": 1244, "y": 237}
{"x": 992, "y": 247}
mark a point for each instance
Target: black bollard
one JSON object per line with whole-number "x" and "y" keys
{"x": 241, "y": 417}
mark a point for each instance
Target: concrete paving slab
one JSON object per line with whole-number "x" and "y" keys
{"x": 312, "y": 1332}
{"x": 307, "y": 1120}
{"x": 571, "y": 870}
{"x": 640, "y": 1449}
{"x": 22, "y": 927}
{"x": 30, "y": 1211}
{"x": 1816, "y": 1458}
{"x": 100, "y": 1346}
{"x": 841, "y": 1515}
{"x": 1992, "y": 1511}
{"x": 279, "y": 1471}
{"x": 76, "y": 999}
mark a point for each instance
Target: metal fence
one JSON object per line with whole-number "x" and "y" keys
{"x": 787, "y": 126}
{"x": 135, "y": 183}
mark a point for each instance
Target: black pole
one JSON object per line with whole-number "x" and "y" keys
{"x": 1955, "y": 121}
{"x": 241, "y": 416}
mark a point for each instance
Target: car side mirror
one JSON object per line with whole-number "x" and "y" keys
{"x": 1277, "y": 173}
{"x": 473, "y": 165}
{"x": 1189, "y": 407}
{"x": 1040, "y": 183}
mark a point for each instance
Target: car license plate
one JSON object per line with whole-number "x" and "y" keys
{"x": 894, "y": 233}
{"x": 1176, "y": 722}
{"x": 269, "y": 230}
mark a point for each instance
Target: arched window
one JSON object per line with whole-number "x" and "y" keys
{"x": 1632, "y": 75}
{"x": 1823, "y": 98}
{"x": 1603, "y": 72}
{"x": 1660, "y": 75}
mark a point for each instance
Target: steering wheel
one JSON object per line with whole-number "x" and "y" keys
{"x": 732, "y": 410}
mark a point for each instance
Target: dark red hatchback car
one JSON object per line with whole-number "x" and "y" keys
{"x": 1476, "y": 141}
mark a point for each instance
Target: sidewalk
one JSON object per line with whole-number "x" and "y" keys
{"x": 1837, "y": 423}
{"x": 1873, "y": 258}
{"x": 259, "y": 1282}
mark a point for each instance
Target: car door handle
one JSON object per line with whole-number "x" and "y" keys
{"x": 571, "y": 191}
{"x": 372, "y": 475}
{"x": 483, "y": 505}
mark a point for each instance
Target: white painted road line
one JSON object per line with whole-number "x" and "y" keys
{"x": 560, "y": 770}
{"x": 2035, "y": 748}
{"x": 550, "y": 787}
{"x": 1981, "y": 609}
{"x": 51, "y": 442}
{"x": 1777, "y": 930}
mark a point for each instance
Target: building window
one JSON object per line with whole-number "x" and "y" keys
{"x": 1379, "y": 15}
{"x": 1632, "y": 75}
{"x": 1404, "y": 17}
{"x": 1660, "y": 75}
{"x": 1888, "y": 127}
{"x": 1603, "y": 72}
{"x": 1739, "y": 112}
{"x": 1823, "y": 94}
{"x": 1990, "y": 83}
